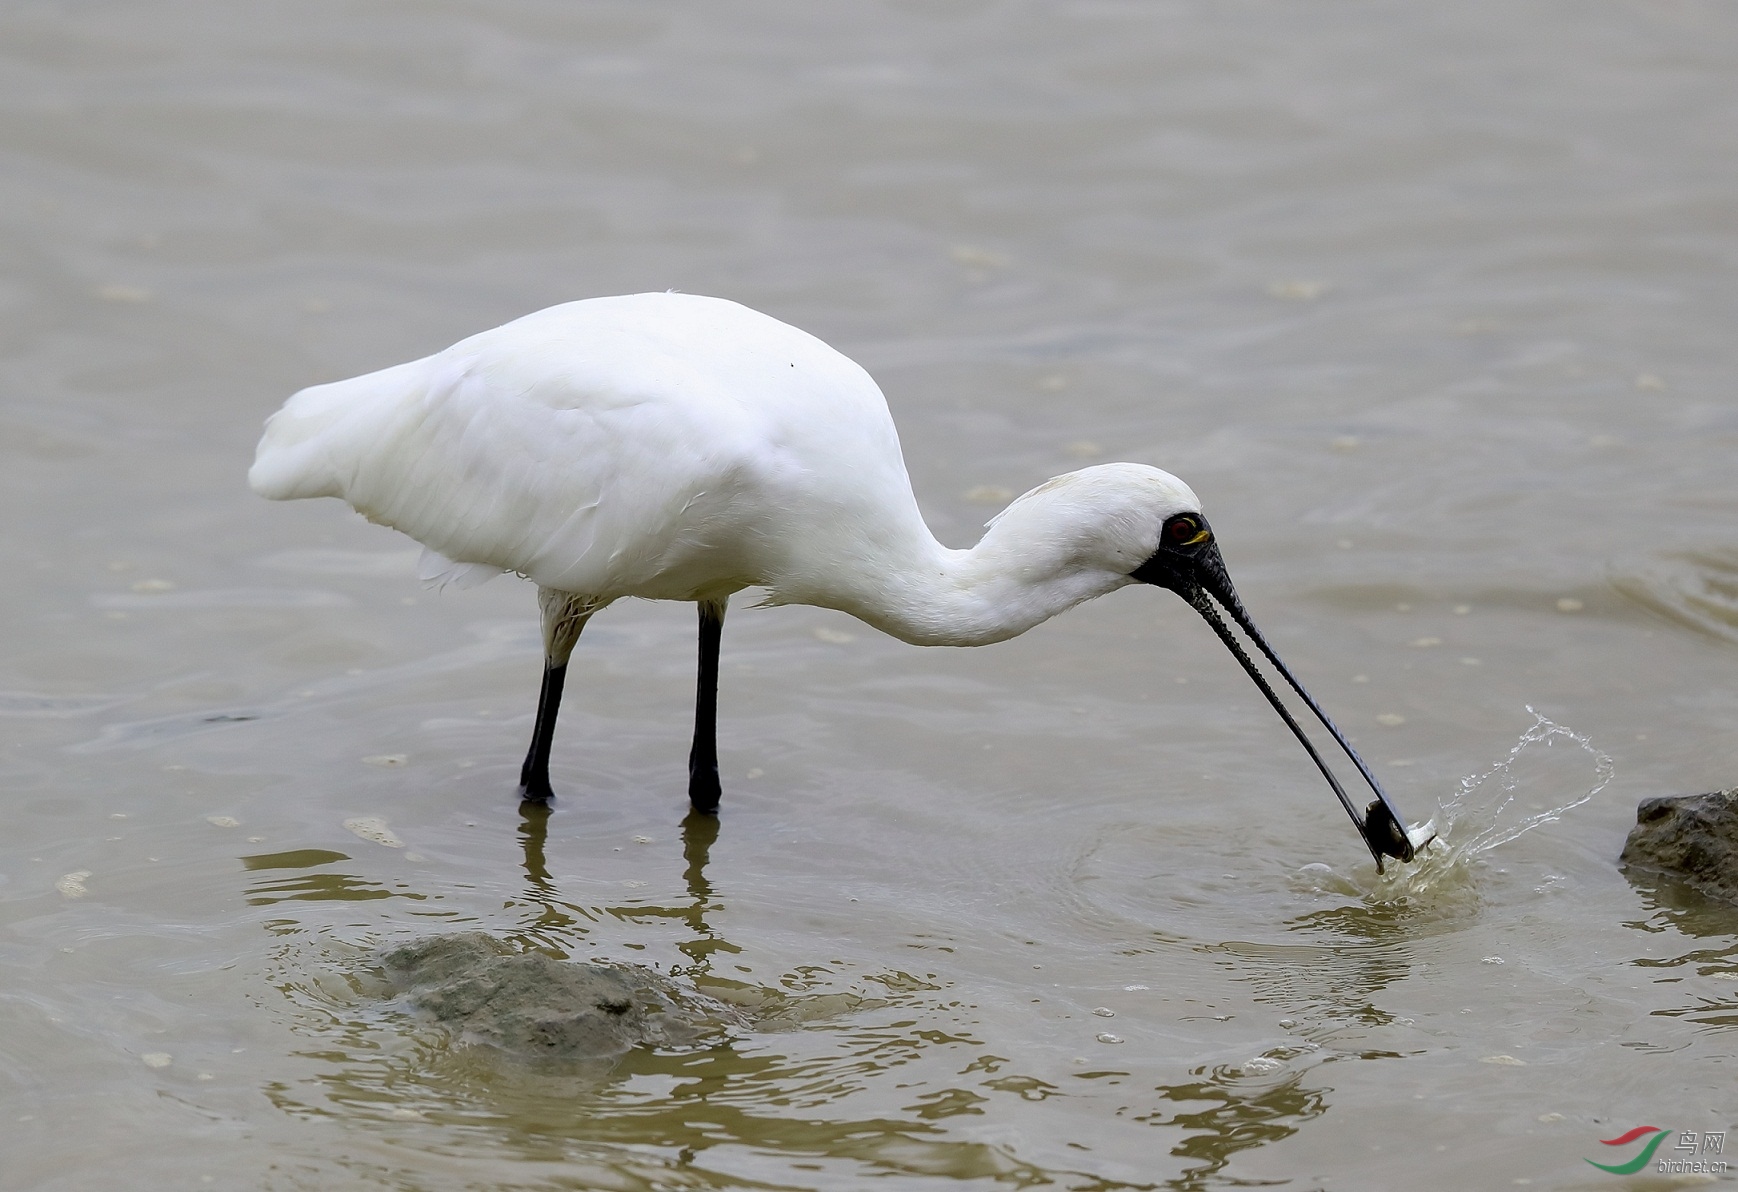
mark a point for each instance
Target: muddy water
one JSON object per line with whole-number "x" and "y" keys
{"x": 1432, "y": 305}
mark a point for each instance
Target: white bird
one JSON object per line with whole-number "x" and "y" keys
{"x": 676, "y": 447}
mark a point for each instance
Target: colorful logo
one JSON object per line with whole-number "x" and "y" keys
{"x": 1641, "y": 1160}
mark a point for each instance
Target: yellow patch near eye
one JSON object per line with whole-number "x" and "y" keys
{"x": 1200, "y": 536}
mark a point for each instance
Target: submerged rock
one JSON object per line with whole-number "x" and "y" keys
{"x": 1693, "y": 838}
{"x": 536, "y": 1007}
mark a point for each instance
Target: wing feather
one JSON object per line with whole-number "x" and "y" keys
{"x": 628, "y": 446}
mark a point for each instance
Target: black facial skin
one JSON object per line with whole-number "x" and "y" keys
{"x": 1188, "y": 563}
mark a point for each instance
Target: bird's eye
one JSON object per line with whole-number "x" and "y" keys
{"x": 1184, "y": 530}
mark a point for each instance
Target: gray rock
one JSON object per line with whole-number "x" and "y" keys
{"x": 536, "y": 1007}
{"x": 1693, "y": 838}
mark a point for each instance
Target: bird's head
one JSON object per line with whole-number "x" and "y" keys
{"x": 1147, "y": 525}
{"x": 1104, "y": 519}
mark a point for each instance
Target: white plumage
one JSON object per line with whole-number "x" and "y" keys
{"x": 676, "y": 447}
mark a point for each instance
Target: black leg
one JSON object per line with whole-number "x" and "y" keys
{"x": 564, "y": 616}
{"x": 703, "y": 788}
{"x": 534, "y": 774}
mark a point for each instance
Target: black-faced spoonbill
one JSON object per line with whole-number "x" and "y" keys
{"x": 675, "y": 447}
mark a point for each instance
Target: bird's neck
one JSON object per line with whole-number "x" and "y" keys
{"x": 924, "y": 593}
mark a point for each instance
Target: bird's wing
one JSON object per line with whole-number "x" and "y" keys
{"x": 543, "y": 447}
{"x": 658, "y": 445}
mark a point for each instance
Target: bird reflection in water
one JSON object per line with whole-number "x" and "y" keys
{"x": 556, "y": 924}
{"x": 1229, "y": 1111}
{"x": 788, "y": 1099}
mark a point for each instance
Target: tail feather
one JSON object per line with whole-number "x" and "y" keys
{"x": 311, "y": 447}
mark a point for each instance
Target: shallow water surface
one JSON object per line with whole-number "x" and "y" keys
{"x": 1433, "y": 307}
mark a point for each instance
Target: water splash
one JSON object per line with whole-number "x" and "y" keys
{"x": 1486, "y": 812}
{"x": 1490, "y": 815}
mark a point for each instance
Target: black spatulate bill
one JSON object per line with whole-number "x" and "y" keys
{"x": 1188, "y": 563}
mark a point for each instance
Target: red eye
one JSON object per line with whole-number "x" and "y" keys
{"x": 1186, "y": 530}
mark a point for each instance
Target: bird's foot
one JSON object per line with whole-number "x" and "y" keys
{"x": 704, "y": 790}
